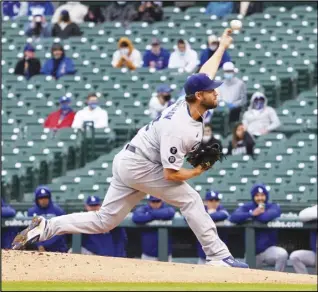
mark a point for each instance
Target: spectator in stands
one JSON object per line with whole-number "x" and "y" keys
{"x": 122, "y": 11}
{"x": 29, "y": 65}
{"x": 76, "y": 10}
{"x": 260, "y": 210}
{"x": 95, "y": 14}
{"x": 217, "y": 213}
{"x": 160, "y": 102}
{"x": 260, "y": 118}
{"x": 23, "y": 8}
{"x": 208, "y": 137}
{"x": 206, "y": 54}
{"x": 301, "y": 259}
{"x": 8, "y": 233}
{"x": 149, "y": 11}
{"x": 157, "y": 57}
{"x": 183, "y": 5}
{"x": 219, "y": 8}
{"x": 248, "y": 8}
{"x": 44, "y": 206}
{"x": 154, "y": 210}
{"x": 242, "y": 142}
{"x": 233, "y": 91}
{"x": 96, "y": 244}
{"x": 65, "y": 28}
{"x": 91, "y": 113}
{"x": 38, "y": 27}
{"x": 59, "y": 65}
{"x": 11, "y": 8}
{"x": 126, "y": 55}
{"x": 183, "y": 57}
{"x": 62, "y": 118}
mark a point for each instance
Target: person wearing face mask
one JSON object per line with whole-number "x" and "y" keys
{"x": 65, "y": 28}
{"x": 233, "y": 91}
{"x": 157, "y": 57}
{"x": 206, "y": 54}
{"x": 260, "y": 118}
{"x": 91, "y": 113}
{"x": 59, "y": 65}
{"x": 160, "y": 102}
{"x": 260, "y": 210}
{"x": 29, "y": 65}
{"x": 62, "y": 118}
{"x": 242, "y": 142}
{"x": 183, "y": 57}
{"x": 76, "y": 10}
{"x": 208, "y": 137}
{"x": 126, "y": 55}
{"x": 38, "y": 27}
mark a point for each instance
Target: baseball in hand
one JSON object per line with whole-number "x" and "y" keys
{"x": 236, "y": 24}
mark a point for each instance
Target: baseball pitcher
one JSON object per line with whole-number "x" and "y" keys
{"x": 152, "y": 164}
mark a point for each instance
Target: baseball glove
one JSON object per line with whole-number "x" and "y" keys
{"x": 206, "y": 155}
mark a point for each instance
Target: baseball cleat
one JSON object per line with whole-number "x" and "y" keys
{"x": 228, "y": 262}
{"x": 31, "y": 234}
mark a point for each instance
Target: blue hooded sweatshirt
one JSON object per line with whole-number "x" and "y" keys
{"x": 206, "y": 54}
{"x": 8, "y": 233}
{"x": 219, "y": 215}
{"x": 65, "y": 67}
{"x": 149, "y": 238}
{"x": 265, "y": 238}
{"x": 56, "y": 243}
{"x": 162, "y": 60}
{"x": 99, "y": 244}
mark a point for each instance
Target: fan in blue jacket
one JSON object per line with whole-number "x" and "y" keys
{"x": 8, "y": 233}
{"x": 259, "y": 209}
{"x": 157, "y": 57}
{"x": 97, "y": 244}
{"x": 206, "y": 54}
{"x": 218, "y": 213}
{"x": 59, "y": 65}
{"x": 154, "y": 210}
{"x": 44, "y": 206}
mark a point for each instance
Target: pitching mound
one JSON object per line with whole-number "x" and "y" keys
{"x": 34, "y": 266}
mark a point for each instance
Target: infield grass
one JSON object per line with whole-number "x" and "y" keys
{"x": 76, "y": 286}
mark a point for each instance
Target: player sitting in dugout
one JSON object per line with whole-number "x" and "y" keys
{"x": 45, "y": 206}
{"x": 259, "y": 209}
{"x": 218, "y": 213}
{"x": 154, "y": 210}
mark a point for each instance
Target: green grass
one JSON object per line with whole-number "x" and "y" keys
{"x": 76, "y": 286}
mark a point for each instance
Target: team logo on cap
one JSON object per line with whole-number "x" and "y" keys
{"x": 43, "y": 191}
{"x": 173, "y": 150}
{"x": 93, "y": 199}
{"x": 172, "y": 159}
{"x": 260, "y": 190}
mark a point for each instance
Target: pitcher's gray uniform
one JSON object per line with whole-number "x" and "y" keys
{"x": 139, "y": 171}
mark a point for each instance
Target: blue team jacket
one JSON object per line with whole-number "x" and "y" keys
{"x": 58, "y": 242}
{"x": 220, "y": 215}
{"x": 99, "y": 244}
{"x": 120, "y": 240}
{"x": 66, "y": 67}
{"x": 264, "y": 237}
{"x": 149, "y": 238}
{"x": 206, "y": 54}
{"x": 8, "y": 233}
{"x": 162, "y": 60}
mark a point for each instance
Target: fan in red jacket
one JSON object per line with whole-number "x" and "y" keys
{"x": 63, "y": 118}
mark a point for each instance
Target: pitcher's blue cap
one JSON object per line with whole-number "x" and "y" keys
{"x": 200, "y": 82}
{"x": 93, "y": 201}
{"x": 211, "y": 195}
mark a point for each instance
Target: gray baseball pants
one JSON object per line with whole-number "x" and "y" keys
{"x": 133, "y": 177}
{"x": 302, "y": 258}
{"x": 274, "y": 255}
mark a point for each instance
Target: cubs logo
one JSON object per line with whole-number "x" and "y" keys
{"x": 172, "y": 159}
{"x": 173, "y": 150}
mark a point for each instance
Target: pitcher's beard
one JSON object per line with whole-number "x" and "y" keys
{"x": 209, "y": 106}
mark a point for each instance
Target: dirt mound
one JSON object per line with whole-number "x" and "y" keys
{"x": 34, "y": 266}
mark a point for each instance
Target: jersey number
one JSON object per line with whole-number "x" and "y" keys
{"x": 152, "y": 122}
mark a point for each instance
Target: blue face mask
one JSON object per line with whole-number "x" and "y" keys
{"x": 92, "y": 105}
{"x": 228, "y": 76}
{"x": 258, "y": 104}
{"x": 65, "y": 107}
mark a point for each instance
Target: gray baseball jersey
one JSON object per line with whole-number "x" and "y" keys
{"x": 167, "y": 139}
